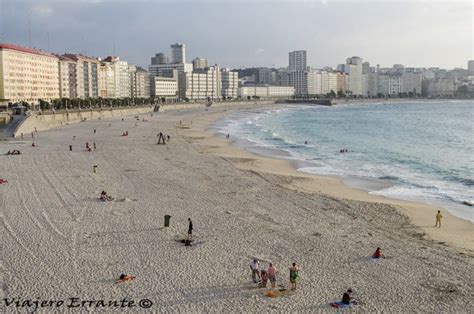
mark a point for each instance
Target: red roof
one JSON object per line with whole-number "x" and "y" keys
{"x": 25, "y": 49}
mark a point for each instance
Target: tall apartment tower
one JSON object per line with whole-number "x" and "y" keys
{"x": 178, "y": 53}
{"x": 470, "y": 67}
{"x": 159, "y": 58}
{"x": 353, "y": 67}
{"x": 297, "y": 60}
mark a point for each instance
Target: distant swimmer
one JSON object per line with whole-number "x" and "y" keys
{"x": 306, "y": 142}
{"x": 438, "y": 219}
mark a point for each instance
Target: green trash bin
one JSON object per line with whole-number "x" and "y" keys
{"x": 167, "y": 220}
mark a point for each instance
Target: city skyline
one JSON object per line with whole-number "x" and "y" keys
{"x": 440, "y": 39}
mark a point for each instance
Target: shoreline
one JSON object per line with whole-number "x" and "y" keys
{"x": 456, "y": 231}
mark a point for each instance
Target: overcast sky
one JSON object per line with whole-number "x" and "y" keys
{"x": 247, "y": 33}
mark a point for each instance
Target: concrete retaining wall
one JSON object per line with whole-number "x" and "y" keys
{"x": 185, "y": 106}
{"x": 46, "y": 121}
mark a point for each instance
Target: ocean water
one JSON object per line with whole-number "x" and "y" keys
{"x": 415, "y": 150}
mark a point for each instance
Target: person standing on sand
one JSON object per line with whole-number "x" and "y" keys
{"x": 254, "y": 266}
{"x": 438, "y": 219}
{"x": 272, "y": 271}
{"x": 190, "y": 229}
{"x": 294, "y": 272}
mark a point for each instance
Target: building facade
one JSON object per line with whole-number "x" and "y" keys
{"x": 159, "y": 58}
{"x": 87, "y": 71}
{"x": 140, "y": 82}
{"x": 200, "y": 63}
{"x": 27, "y": 74}
{"x": 67, "y": 77}
{"x": 178, "y": 53}
{"x": 230, "y": 83}
{"x": 353, "y": 68}
{"x": 118, "y": 81}
{"x": 470, "y": 67}
{"x": 297, "y": 60}
{"x": 164, "y": 87}
{"x": 266, "y": 91}
{"x": 200, "y": 84}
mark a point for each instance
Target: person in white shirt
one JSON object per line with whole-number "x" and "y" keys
{"x": 254, "y": 266}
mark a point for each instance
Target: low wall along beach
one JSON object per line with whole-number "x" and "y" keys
{"x": 46, "y": 121}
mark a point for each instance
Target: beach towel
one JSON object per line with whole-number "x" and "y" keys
{"x": 278, "y": 293}
{"x": 340, "y": 305}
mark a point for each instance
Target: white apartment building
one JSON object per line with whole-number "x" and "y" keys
{"x": 314, "y": 84}
{"x": 332, "y": 82}
{"x": 118, "y": 78}
{"x": 164, "y": 86}
{"x": 27, "y": 74}
{"x": 438, "y": 87}
{"x": 390, "y": 84}
{"x": 353, "y": 68}
{"x": 200, "y": 84}
{"x": 412, "y": 82}
{"x": 266, "y": 91}
{"x": 230, "y": 83}
{"x": 103, "y": 68}
{"x": 321, "y": 82}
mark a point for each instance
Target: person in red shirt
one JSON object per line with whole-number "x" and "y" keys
{"x": 378, "y": 253}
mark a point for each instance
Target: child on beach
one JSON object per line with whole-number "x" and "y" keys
{"x": 438, "y": 219}
{"x": 294, "y": 272}
{"x": 263, "y": 279}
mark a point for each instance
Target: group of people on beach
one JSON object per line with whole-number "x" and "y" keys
{"x": 261, "y": 277}
{"x": 14, "y": 152}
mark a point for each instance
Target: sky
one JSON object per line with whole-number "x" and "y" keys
{"x": 249, "y": 33}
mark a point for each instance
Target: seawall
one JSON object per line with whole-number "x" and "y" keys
{"x": 46, "y": 121}
{"x": 185, "y": 106}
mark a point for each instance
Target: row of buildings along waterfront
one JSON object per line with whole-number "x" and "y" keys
{"x": 30, "y": 75}
{"x": 359, "y": 79}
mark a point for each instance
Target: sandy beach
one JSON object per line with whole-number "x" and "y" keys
{"x": 60, "y": 241}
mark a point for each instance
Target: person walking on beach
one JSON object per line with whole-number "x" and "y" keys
{"x": 438, "y": 219}
{"x": 190, "y": 229}
{"x": 161, "y": 138}
{"x": 254, "y": 266}
{"x": 272, "y": 271}
{"x": 294, "y": 272}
